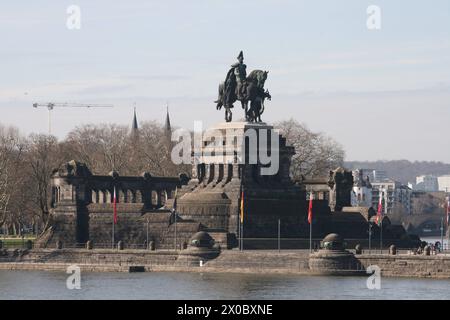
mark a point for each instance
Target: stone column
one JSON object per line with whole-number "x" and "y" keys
{"x": 108, "y": 196}
{"x": 121, "y": 196}
{"x": 94, "y": 196}
{"x": 139, "y": 196}
{"x": 158, "y": 198}
{"x": 218, "y": 173}
{"x": 227, "y": 174}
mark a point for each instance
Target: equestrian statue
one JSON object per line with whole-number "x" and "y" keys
{"x": 239, "y": 86}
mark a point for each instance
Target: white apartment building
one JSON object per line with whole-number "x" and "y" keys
{"x": 444, "y": 183}
{"x": 394, "y": 196}
{"x": 373, "y": 174}
{"x": 427, "y": 183}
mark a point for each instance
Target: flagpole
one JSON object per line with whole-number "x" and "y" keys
{"x": 448, "y": 217}
{"x": 442, "y": 232}
{"x": 239, "y": 232}
{"x": 381, "y": 236}
{"x": 380, "y": 218}
{"x": 310, "y": 218}
{"x": 114, "y": 218}
{"x": 174, "y": 209}
{"x": 175, "y": 216}
{"x": 147, "y": 236}
{"x": 112, "y": 240}
{"x": 310, "y": 237}
{"x": 242, "y": 235}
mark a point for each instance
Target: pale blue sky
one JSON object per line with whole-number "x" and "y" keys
{"x": 383, "y": 94}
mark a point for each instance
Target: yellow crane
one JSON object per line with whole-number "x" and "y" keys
{"x": 51, "y": 105}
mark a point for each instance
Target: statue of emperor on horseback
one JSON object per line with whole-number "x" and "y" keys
{"x": 239, "y": 86}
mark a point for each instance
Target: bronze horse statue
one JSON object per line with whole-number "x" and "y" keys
{"x": 252, "y": 91}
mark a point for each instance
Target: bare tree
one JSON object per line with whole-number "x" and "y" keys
{"x": 315, "y": 153}
{"x": 43, "y": 156}
{"x": 154, "y": 150}
{"x": 102, "y": 147}
{"x": 11, "y": 160}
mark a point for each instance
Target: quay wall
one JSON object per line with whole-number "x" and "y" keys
{"x": 414, "y": 266}
{"x": 111, "y": 260}
{"x": 249, "y": 261}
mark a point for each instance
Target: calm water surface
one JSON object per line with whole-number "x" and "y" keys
{"x": 52, "y": 285}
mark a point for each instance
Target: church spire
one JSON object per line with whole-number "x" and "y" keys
{"x": 167, "y": 126}
{"x": 134, "y": 126}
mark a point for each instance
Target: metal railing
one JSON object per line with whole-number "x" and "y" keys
{"x": 282, "y": 244}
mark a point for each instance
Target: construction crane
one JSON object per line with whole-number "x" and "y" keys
{"x": 51, "y": 105}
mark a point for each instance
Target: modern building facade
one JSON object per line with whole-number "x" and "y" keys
{"x": 444, "y": 183}
{"x": 427, "y": 183}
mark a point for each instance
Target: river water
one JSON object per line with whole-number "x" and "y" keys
{"x": 52, "y": 285}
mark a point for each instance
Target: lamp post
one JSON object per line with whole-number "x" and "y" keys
{"x": 381, "y": 236}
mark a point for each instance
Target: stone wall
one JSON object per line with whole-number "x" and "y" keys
{"x": 263, "y": 261}
{"x": 409, "y": 266}
{"x": 105, "y": 260}
{"x": 221, "y": 171}
{"x": 83, "y": 206}
{"x": 132, "y": 229}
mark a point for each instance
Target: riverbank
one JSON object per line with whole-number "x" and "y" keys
{"x": 228, "y": 261}
{"x": 109, "y": 260}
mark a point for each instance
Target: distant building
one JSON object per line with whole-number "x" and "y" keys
{"x": 444, "y": 183}
{"x": 374, "y": 175}
{"x": 395, "y": 196}
{"x": 379, "y": 175}
{"x": 386, "y": 190}
{"x": 362, "y": 189}
{"x": 404, "y": 199}
{"x": 427, "y": 183}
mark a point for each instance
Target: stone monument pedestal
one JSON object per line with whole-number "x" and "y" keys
{"x": 249, "y": 158}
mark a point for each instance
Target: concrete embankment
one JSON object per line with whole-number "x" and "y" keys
{"x": 256, "y": 261}
{"x": 418, "y": 266}
{"x": 261, "y": 261}
{"x": 104, "y": 260}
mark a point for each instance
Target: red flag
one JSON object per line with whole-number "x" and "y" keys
{"x": 115, "y": 206}
{"x": 310, "y": 212}
{"x": 448, "y": 210}
{"x": 380, "y": 210}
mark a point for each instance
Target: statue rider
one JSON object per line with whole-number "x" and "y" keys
{"x": 240, "y": 71}
{"x": 235, "y": 79}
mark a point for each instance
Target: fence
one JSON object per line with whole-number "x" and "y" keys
{"x": 282, "y": 244}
